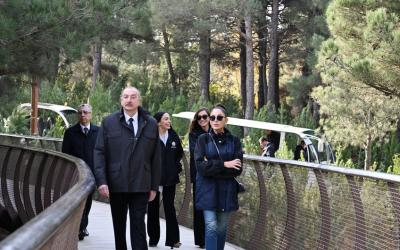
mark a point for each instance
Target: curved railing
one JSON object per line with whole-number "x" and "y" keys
{"x": 297, "y": 205}
{"x": 32, "y": 141}
{"x": 43, "y": 193}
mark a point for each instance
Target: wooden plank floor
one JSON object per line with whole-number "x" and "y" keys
{"x": 102, "y": 237}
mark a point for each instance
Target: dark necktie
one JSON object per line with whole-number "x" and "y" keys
{"x": 85, "y": 130}
{"x": 131, "y": 124}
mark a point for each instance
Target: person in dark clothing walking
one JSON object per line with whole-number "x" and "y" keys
{"x": 171, "y": 155}
{"x": 267, "y": 147}
{"x": 302, "y": 147}
{"x": 199, "y": 125}
{"x": 79, "y": 141}
{"x": 218, "y": 156}
{"x": 127, "y": 167}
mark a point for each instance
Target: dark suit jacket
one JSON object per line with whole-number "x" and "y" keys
{"x": 123, "y": 161}
{"x": 171, "y": 155}
{"x": 77, "y": 144}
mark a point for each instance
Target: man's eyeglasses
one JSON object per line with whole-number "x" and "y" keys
{"x": 83, "y": 112}
{"x": 204, "y": 117}
{"x": 218, "y": 117}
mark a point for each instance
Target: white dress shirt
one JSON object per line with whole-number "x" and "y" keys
{"x": 134, "y": 122}
{"x": 83, "y": 127}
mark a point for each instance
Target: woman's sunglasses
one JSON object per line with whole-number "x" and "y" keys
{"x": 204, "y": 117}
{"x": 218, "y": 117}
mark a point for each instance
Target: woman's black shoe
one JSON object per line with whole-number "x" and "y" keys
{"x": 176, "y": 245}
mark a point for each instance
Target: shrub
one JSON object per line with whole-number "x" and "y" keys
{"x": 58, "y": 129}
{"x": 17, "y": 122}
{"x": 395, "y": 168}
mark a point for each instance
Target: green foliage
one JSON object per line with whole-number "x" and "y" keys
{"x": 357, "y": 66}
{"x": 284, "y": 152}
{"x": 57, "y": 130}
{"x": 250, "y": 145}
{"x": 102, "y": 103}
{"x": 304, "y": 119}
{"x": 308, "y": 17}
{"x": 395, "y": 168}
{"x": 2, "y": 124}
{"x": 17, "y": 122}
{"x": 342, "y": 159}
{"x": 34, "y": 33}
{"x": 174, "y": 105}
{"x": 14, "y": 91}
{"x": 52, "y": 93}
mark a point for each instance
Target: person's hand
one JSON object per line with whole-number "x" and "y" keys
{"x": 152, "y": 195}
{"x": 236, "y": 164}
{"x": 103, "y": 190}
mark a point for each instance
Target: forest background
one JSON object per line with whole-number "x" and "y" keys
{"x": 329, "y": 65}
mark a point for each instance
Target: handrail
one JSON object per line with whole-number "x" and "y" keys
{"x": 299, "y": 205}
{"x": 329, "y": 168}
{"x": 70, "y": 183}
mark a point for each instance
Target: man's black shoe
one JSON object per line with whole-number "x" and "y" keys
{"x": 81, "y": 236}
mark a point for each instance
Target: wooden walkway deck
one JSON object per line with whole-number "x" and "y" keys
{"x": 101, "y": 232}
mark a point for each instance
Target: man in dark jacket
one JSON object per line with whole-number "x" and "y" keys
{"x": 79, "y": 141}
{"x": 267, "y": 146}
{"x": 299, "y": 148}
{"x": 127, "y": 166}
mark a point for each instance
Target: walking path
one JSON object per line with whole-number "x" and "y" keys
{"x": 102, "y": 236}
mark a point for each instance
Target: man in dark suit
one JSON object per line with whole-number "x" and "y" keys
{"x": 79, "y": 141}
{"x": 128, "y": 166}
{"x": 267, "y": 146}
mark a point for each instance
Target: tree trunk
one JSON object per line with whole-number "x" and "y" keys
{"x": 34, "y": 104}
{"x": 262, "y": 67}
{"x": 204, "y": 65}
{"x": 242, "y": 47}
{"x": 262, "y": 32}
{"x": 168, "y": 59}
{"x": 249, "y": 70}
{"x": 398, "y": 129}
{"x": 313, "y": 108}
{"x": 368, "y": 154}
{"x": 97, "y": 51}
{"x": 53, "y": 65}
{"x": 273, "y": 79}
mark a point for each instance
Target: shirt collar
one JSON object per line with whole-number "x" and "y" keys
{"x": 127, "y": 117}
{"x": 83, "y": 126}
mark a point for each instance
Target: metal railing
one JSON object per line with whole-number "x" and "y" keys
{"x": 298, "y": 205}
{"x": 43, "y": 193}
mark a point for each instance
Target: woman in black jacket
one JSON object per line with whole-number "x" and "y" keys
{"x": 171, "y": 155}
{"x": 218, "y": 156}
{"x": 199, "y": 125}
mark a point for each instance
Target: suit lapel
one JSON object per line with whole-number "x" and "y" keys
{"x": 141, "y": 124}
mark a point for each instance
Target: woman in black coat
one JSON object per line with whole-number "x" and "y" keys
{"x": 218, "y": 156}
{"x": 200, "y": 125}
{"x": 171, "y": 155}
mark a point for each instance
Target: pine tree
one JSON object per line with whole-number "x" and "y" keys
{"x": 360, "y": 99}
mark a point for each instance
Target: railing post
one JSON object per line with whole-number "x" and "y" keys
{"x": 360, "y": 231}
{"x": 286, "y": 240}
{"x": 325, "y": 231}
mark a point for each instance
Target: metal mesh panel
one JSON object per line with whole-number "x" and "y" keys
{"x": 32, "y": 181}
{"x": 287, "y": 204}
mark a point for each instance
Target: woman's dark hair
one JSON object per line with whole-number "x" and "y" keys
{"x": 220, "y": 107}
{"x": 194, "y": 125}
{"x": 159, "y": 115}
